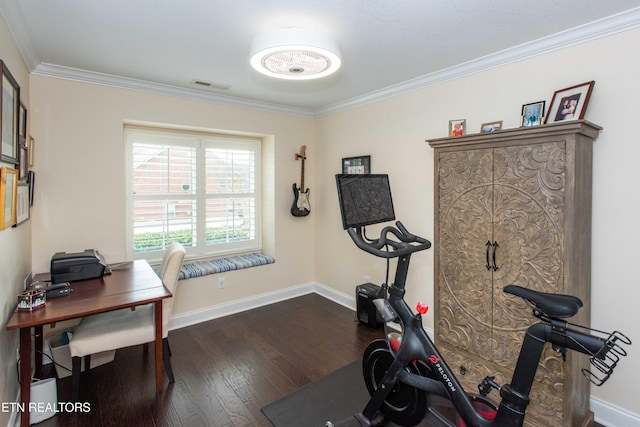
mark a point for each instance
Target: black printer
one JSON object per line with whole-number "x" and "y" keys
{"x": 77, "y": 266}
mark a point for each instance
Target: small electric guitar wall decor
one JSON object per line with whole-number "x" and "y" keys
{"x": 300, "y": 206}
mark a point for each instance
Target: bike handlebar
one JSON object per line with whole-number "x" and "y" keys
{"x": 405, "y": 244}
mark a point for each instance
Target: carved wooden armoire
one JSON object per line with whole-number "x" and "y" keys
{"x": 513, "y": 207}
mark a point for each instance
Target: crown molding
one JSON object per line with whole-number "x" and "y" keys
{"x": 595, "y": 30}
{"x": 604, "y": 27}
{"x": 75, "y": 74}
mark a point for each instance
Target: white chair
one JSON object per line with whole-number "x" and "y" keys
{"x": 126, "y": 327}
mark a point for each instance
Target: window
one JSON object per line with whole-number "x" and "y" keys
{"x": 201, "y": 190}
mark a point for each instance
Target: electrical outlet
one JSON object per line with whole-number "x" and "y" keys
{"x": 367, "y": 279}
{"x": 221, "y": 283}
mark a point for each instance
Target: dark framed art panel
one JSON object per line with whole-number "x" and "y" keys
{"x": 31, "y": 181}
{"x": 23, "y": 151}
{"x": 9, "y": 116}
{"x": 356, "y": 165}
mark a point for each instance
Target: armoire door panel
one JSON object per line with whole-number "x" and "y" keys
{"x": 460, "y": 171}
{"x": 465, "y": 222}
{"x": 528, "y": 223}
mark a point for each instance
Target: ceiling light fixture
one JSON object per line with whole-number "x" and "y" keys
{"x": 295, "y": 54}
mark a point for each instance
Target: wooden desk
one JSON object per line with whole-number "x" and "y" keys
{"x": 129, "y": 285}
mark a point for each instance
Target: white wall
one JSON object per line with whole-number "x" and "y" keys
{"x": 80, "y": 198}
{"x": 393, "y": 132}
{"x": 15, "y": 248}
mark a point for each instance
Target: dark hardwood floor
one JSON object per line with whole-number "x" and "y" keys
{"x": 225, "y": 369}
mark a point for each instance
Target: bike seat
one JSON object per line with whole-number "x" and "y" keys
{"x": 552, "y": 305}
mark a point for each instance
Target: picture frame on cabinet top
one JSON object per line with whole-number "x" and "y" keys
{"x": 491, "y": 127}
{"x": 570, "y": 103}
{"x": 457, "y": 127}
{"x": 532, "y": 114}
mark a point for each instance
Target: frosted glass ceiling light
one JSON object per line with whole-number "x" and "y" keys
{"x": 295, "y": 54}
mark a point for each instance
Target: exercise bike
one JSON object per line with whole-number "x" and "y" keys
{"x": 407, "y": 377}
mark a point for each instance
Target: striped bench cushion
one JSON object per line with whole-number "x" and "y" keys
{"x": 220, "y": 265}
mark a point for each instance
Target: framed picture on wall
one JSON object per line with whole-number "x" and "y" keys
{"x": 22, "y": 122}
{"x": 357, "y": 165}
{"x": 23, "y": 167}
{"x": 31, "y": 180}
{"x": 23, "y": 152}
{"x": 22, "y": 204}
{"x": 9, "y": 114}
{"x": 30, "y": 147}
{"x": 8, "y": 197}
{"x": 570, "y": 103}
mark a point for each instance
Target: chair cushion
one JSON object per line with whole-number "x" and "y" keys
{"x": 126, "y": 327}
{"x": 114, "y": 329}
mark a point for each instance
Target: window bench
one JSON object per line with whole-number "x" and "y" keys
{"x": 220, "y": 265}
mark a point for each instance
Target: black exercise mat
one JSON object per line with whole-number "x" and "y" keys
{"x": 334, "y": 397}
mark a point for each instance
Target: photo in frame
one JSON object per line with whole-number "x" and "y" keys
{"x": 23, "y": 150}
{"x": 532, "y": 114}
{"x": 22, "y": 204}
{"x": 457, "y": 127}
{"x": 22, "y": 122}
{"x": 9, "y": 115}
{"x": 8, "y": 197}
{"x": 570, "y": 103}
{"x": 357, "y": 165}
{"x": 491, "y": 127}
{"x": 23, "y": 167}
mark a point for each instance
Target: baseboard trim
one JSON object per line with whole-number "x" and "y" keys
{"x": 611, "y": 416}
{"x": 605, "y": 412}
{"x": 226, "y": 309}
{"x": 238, "y": 306}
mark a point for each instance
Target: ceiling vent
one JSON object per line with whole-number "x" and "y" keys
{"x": 202, "y": 83}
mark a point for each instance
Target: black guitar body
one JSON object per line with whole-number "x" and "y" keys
{"x": 300, "y": 205}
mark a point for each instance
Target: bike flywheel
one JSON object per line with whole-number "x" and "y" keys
{"x": 405, "y": 405}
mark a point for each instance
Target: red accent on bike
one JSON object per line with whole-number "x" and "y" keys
{"x": 433, "y": 359}
{"x": 395, "y": 344}
{"x": 483, "y": 409}
{"x": 422, "y": 307}
{"x": 489, "y": 413}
